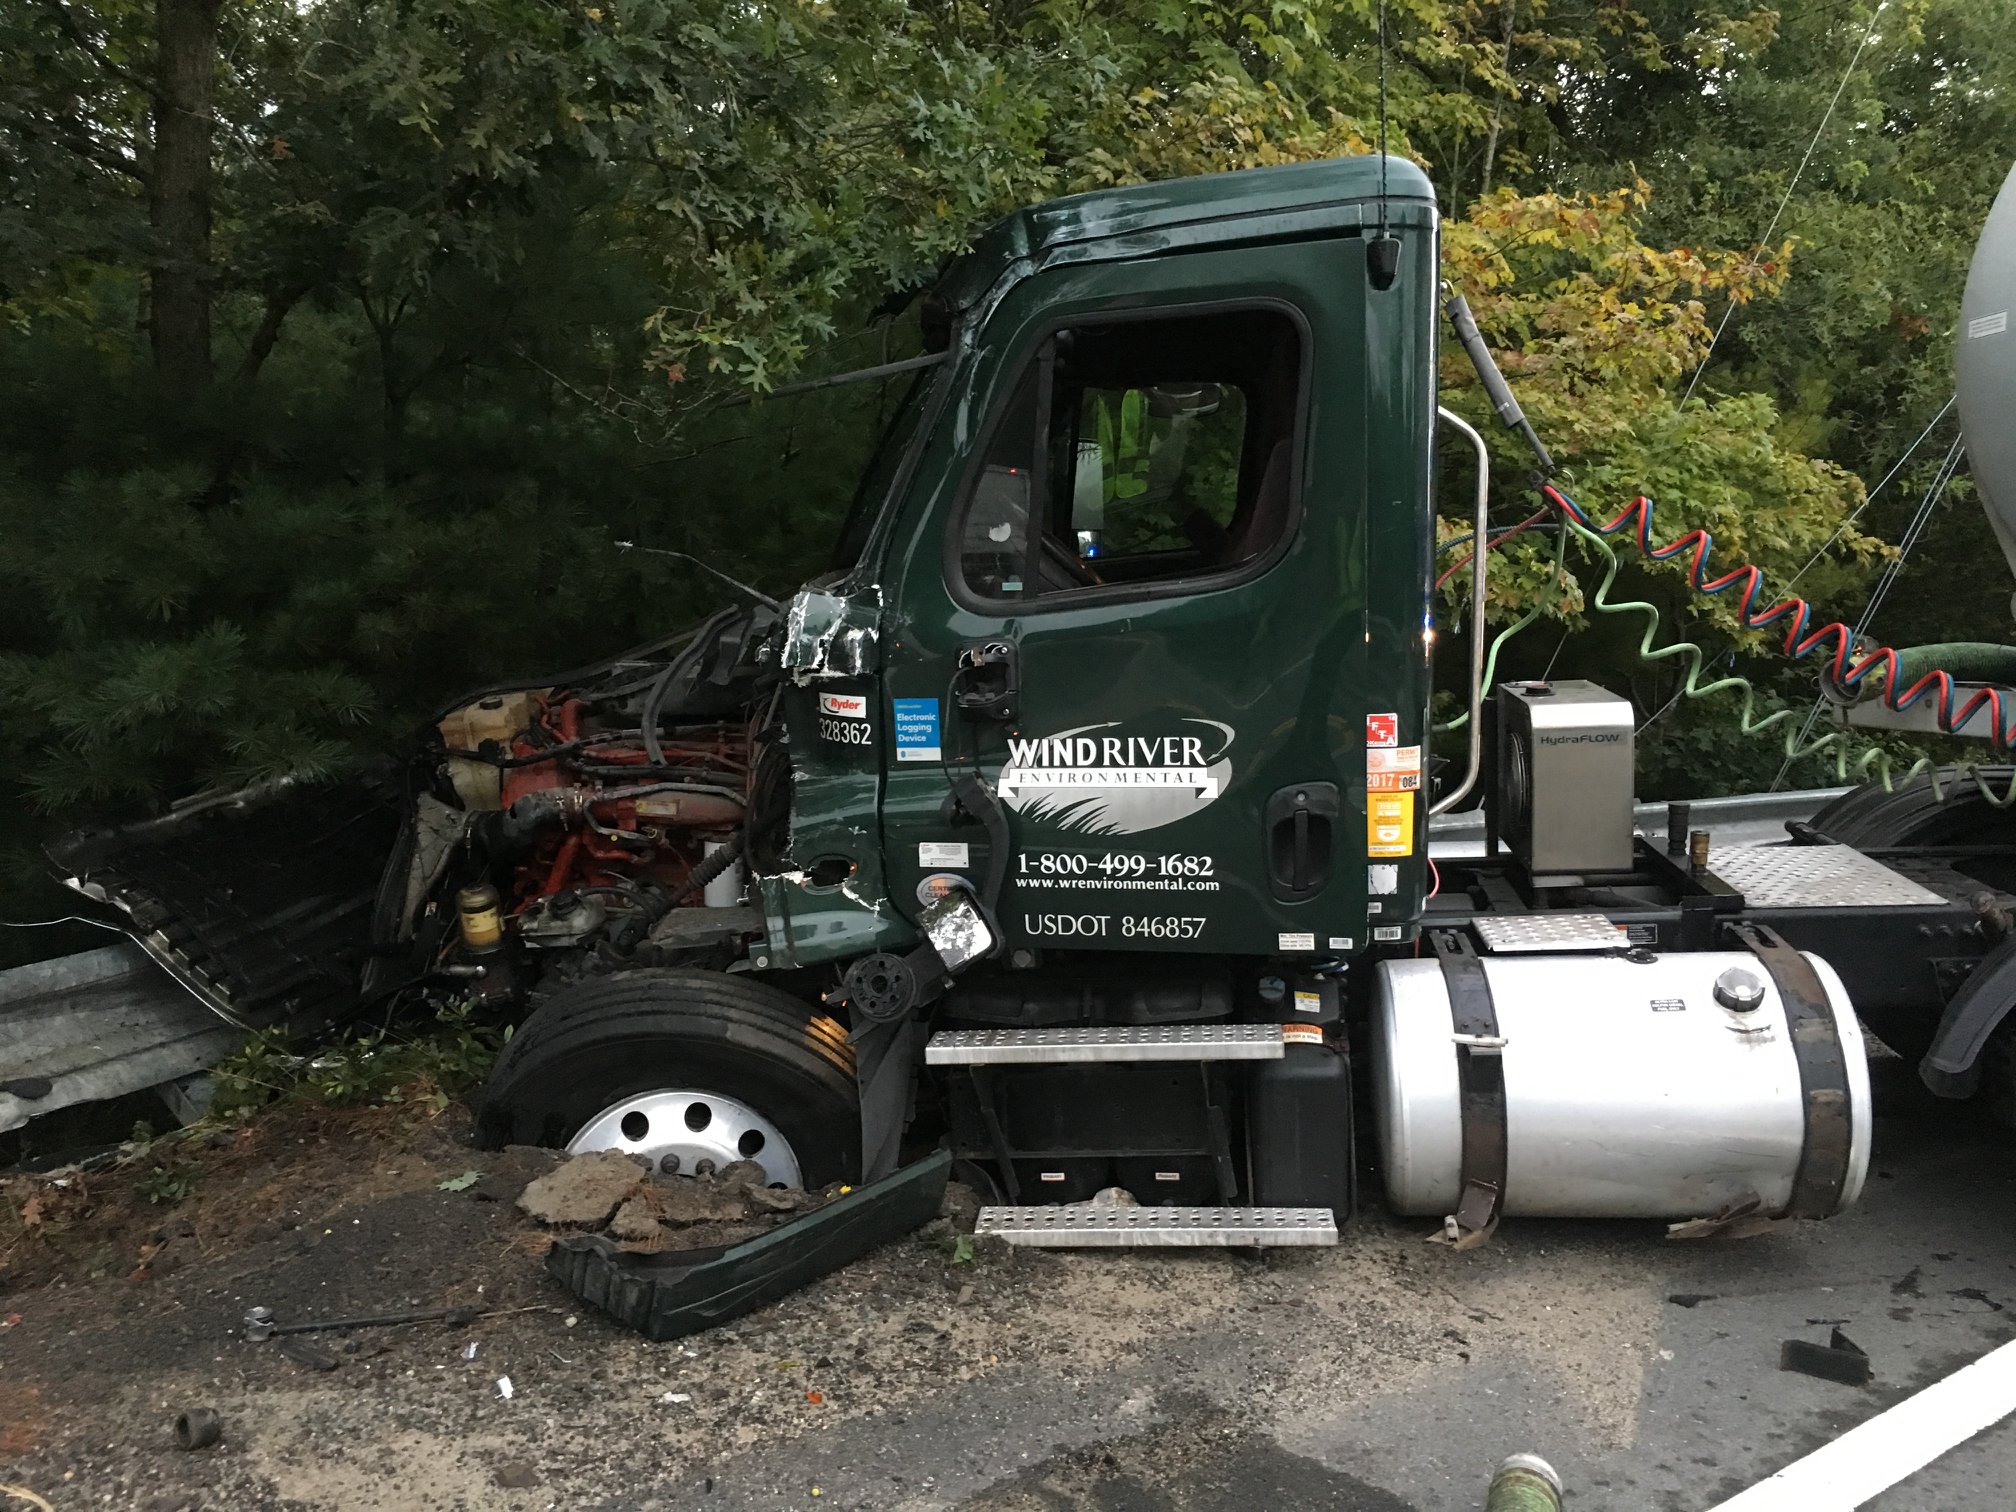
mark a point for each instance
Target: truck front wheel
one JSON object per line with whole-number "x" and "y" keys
{"x": 690, "y": 1069}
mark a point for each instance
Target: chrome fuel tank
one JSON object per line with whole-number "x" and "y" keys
{"x": 1630, "y": 1090}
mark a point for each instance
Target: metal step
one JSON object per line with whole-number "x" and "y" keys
{"x": 1090, "y": 1225}
{"x": 1150, "y": 1042}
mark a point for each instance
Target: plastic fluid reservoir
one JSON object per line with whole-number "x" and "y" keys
{"x": 1665, "y": 1087}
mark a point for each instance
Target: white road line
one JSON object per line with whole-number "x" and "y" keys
{"x": 1871, "y": 1458}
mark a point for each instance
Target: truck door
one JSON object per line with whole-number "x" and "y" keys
{"x": 1135, "y": 605}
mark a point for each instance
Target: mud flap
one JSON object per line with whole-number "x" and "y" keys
{"x": 673, "y": 1293}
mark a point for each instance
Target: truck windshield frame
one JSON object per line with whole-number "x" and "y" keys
{"x": 890, "y": 465}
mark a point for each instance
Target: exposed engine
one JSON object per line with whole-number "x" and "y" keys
{"x": 577, "y": 818}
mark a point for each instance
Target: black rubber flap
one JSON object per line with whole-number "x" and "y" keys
{"x": 673, "y": 1293}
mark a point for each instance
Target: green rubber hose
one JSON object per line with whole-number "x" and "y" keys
{"x": 1974, "y": 660}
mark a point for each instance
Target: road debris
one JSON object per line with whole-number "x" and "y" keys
{"x": 261, "y": 1325}
{"x": 307, "y": 1355}
{"x": 504, "y": 1388}
{"x": 1739, "y": 1220}
{"x": 1839, "y": 1359}
{"x": 583, "y": 1193}
{"x": 197, "y": 1428}
{"x": 516, "y": 1475}
{"x": 1524, "y": 1483}
{"x": 607, "y": 1192}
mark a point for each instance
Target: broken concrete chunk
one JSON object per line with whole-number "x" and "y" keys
{"x": 687, "y": 1199}
{"x": 636, "y": 1219}
{"x": 583, "y": 1192}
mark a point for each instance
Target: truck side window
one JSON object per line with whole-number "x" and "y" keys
{"x": 1167, "y": 451}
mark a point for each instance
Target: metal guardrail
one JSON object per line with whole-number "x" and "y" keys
{"x": 97, "y": 1025}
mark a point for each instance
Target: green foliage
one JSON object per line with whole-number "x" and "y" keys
{"x": 166, "y": 1185}
{"x": 480, "y": 269}
{"x": 426, "y": 1066}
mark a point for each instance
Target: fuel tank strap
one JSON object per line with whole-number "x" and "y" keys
{"x": 1480, "y": 1069}
{"x": 1823, "y": 1073}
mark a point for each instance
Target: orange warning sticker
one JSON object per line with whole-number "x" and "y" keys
{"x": 1389, "y": 824}
{"x": 1301, "y": 1034}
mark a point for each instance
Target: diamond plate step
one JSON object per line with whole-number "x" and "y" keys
{"x": 1088, "y": 1225}
{"x": 1156, "y": 1042}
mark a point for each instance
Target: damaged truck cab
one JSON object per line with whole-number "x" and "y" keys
{"x": 1197, "y": 688}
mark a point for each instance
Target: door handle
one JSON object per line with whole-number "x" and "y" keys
{"x": 1301, "y": 836}
{"x": 987, "y": 680}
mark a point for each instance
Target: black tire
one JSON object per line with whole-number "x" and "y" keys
{"x": 632, "y": 1032}
{"x": 1911, "y": 814}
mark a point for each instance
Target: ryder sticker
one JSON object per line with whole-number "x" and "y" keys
{"x": 1106, "y": 779}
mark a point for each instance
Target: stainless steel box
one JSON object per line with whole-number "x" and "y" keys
{"x": 1565, "y": 777}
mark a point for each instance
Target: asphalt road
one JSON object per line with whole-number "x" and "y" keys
{"x": 1385, "y": 1375}
{"x": 1646, "y": 1371}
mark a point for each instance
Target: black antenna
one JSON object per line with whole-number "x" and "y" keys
{"x": 1382, "y": 253}
{"x": 1382, "y": 117}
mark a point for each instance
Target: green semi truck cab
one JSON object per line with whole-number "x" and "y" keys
{"x": 1199, "y": 685}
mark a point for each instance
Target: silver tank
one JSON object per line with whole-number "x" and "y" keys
{"x": 1984, "y": 367}
{"x": 1630, "y": 1091}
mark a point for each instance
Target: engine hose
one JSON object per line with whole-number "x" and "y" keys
{"x": 710, "y": 867}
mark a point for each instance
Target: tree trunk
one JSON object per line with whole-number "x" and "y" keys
{"x": 178, "y": 200}
{"x": 1497, "y": 106}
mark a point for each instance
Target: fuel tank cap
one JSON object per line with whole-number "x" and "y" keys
{"x": 1739, "y": 991}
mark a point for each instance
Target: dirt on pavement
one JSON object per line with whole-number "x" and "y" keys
{"x": 129, "y": 1312}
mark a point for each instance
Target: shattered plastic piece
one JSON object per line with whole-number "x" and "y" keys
{"x": 1739, "y": 1220}
{"x": 826, "y": 635}
{"x": 676, "y": 1397}
{"x": 302, "y": 1353}
{"x": 1839, "y": 1359}
{"x": 461, "y": 1183}
{"x": 957, "y": 930}
{"x": 504, "y": 1389}
{"x": 469, "y": 1350}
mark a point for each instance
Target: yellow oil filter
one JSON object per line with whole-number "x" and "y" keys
{"x": 482, "y": 924}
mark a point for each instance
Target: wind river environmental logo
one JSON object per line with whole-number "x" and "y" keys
{"x": 1097, "y": 781}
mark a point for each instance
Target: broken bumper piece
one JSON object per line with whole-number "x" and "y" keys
{"x": 672, "y": 1293}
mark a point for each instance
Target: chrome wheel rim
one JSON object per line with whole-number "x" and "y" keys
{"x": 688, "y": 1133}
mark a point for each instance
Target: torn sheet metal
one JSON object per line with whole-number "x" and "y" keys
{"x": 260, "y": 902}
{"x": 437, "y": 831}
{"x": 98, "y": 1025}
{"x": 830, "y": 635}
